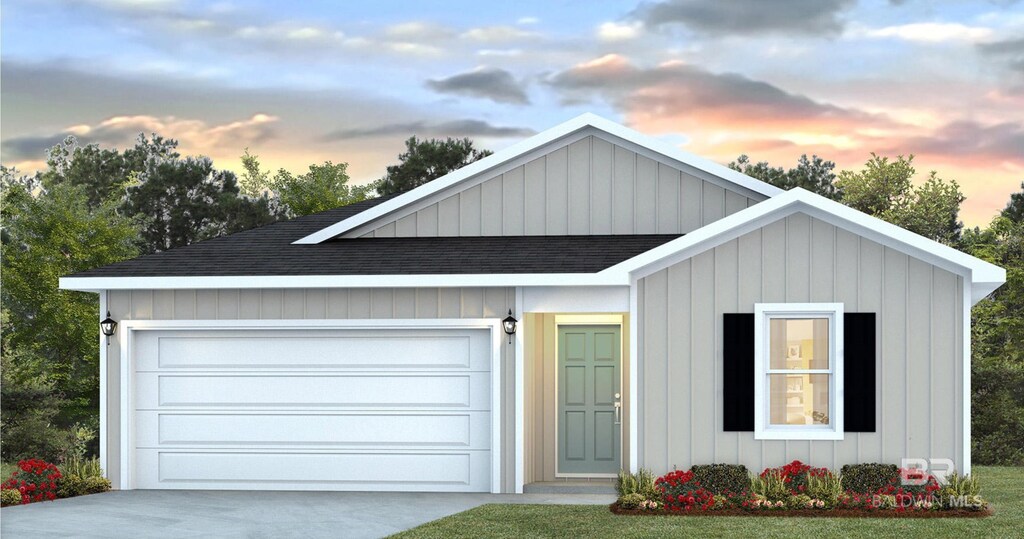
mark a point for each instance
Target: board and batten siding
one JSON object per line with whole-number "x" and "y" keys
{"x": 919, "y": 384}
{"x": 310, "y": 304}
{"x": 589, "y": 187}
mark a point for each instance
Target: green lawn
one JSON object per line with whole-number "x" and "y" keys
{"x": 1003, "y": 486}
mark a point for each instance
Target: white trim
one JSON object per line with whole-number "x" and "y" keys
{"x": 763, "y": 312}
{"x": 575, "y": 299}
{"x": 967, "y": 378}
{"x": 520, "y": 406}
{"x": 128, "y": 327}
{"x": 634, "y": 378}
{"x": 549, "y": 136}
{"x": 104, "y": 340}
{"x": 985, "y": 277}
{"x": 92, "y": 284}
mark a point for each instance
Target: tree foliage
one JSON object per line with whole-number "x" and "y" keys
{"x": 814, "y": 174}
{"x": 427, "y": 160}
{"x": 884, "y": 188}
{"x": 187, "y": 200}
{"x": 322, "y": 188}
{"x": 997, "y": 339}
{"x": 48, "y": 233}
{"x": 182, "y": 199}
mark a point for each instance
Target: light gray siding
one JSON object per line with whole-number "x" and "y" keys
{"x": 274, "y": 304}
{"x": 800, "y": 259}
{"x": 590, "y": 186}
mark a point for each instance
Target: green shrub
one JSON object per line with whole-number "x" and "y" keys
{"x": 826, "y": 487}
{"x": 9, "y": 496}
{"x": 961, "y": 490}
{"x": 70, "y": 486}
{"x": 82, "y": 467}
{"x": 771, "y": 485}
{"x": 799, "y": 501}
{"x": 868, "y": 478}
{"x": 631, "y": 501}
{"x": 642, "y": 482}
{"x": 722, "y": 478}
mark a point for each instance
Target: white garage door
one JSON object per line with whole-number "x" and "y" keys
{"x": 321, "y": 409}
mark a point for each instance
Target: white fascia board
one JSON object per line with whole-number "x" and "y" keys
{"x": 983, "y": 276}
{"x": 541, "y": 139}
{"x": 92, "y": 284}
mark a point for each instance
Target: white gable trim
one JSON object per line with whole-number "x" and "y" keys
{"x": 983, "y": 276}
{"x": 512, "y": 156}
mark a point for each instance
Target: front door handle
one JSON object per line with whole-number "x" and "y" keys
{"x": 618, "y": 410}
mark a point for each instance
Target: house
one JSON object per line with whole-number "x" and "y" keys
{"x": 670, "y": 311}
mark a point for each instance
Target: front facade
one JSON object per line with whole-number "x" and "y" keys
{"x": 670, "y": 312}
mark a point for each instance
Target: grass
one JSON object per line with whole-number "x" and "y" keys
{"x": 1003, "y": 486}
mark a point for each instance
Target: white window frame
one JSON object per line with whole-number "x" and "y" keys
{"x": 763, "y": 313}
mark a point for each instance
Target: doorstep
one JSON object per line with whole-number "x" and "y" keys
{"x": 593, "y": 486}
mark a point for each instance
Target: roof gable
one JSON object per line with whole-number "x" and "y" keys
{"x": 983, "y": 276}
{"x": 575, "y": 129}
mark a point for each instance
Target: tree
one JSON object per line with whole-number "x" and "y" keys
{"x": 1014, "y": 209}
{"x": 814, "y": 174}
{"x": 102, "y": 171}
{"x": 323, "y": 188}
{"x": 48, "y": 233}
{"x": 884, "y": 189}
{"x": 187, "y": 200}
{"x": 254, "y": 182}
{"x": 427, "y": 160}
{"x": 997, "y": 351}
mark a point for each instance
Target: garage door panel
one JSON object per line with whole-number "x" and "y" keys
{"x": 469, "y": 430}
{"x": 312, "y": 409}
{"x": 323, "y": 349}
{"x": 416, "y": 471}
{"x": 465, "y": 391}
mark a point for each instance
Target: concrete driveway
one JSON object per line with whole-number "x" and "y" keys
{"x": 176, "y": 513}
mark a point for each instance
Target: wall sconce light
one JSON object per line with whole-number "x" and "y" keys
{"x": 107, "y": 326}
{"x": 509, "y": 323}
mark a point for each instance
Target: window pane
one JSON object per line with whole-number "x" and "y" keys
{"x": 799, "y": 399}
{"x": 799, "y": 343}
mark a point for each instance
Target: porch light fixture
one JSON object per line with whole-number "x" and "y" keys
{"x": 509, "y": 323}
{"x": 107, "y": 326}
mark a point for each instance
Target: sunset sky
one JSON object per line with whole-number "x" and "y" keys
{"x": 304, "y": 82}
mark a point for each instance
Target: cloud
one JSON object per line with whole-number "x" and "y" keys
{"x": 1009, "y": 50}
{"x": 120, "y": 131}
{"x": 497, "y": 34}
{"x": 746, "y": 17}
{"x": 614, "y": 31}
{"x": 455, "y": 128}
{"x": 928, "y": 32}
{"x": 676, "y": 96}
{"x": 497, "y": 85}
{"x": 973, "y": 141}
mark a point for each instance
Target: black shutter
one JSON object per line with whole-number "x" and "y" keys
{"x": 859, "y": 372}
{"x": 738, "y": 379}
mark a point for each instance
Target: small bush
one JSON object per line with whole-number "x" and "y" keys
{"x": 631, "y": 501}
{"x": 9, "y": 496}
{"x": 680, "y": 492}
{"x": 961, "y": 491}
{"x": 82, "y": 467}
{"x": 869, "y": 478}
{"x": 770, "y": 485}
{"x": 795, "y": 475}
{"x": 826, "y": 487}
{"x": 35, "y": 479}
{"x": 642, "y": 482}
{"x": 722, "y": 478}
{"x": 70, "y": 486}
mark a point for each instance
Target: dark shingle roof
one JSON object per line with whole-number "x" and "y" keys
{"x": 269, "y": 250}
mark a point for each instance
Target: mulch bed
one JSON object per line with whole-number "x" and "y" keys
{"x": 817, "y": 513}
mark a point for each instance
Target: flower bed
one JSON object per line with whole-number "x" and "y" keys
{"x": 797, "y": 489}
{"x": 37, "y": 481}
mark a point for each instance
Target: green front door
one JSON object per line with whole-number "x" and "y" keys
{"x": 589, "y": 413}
